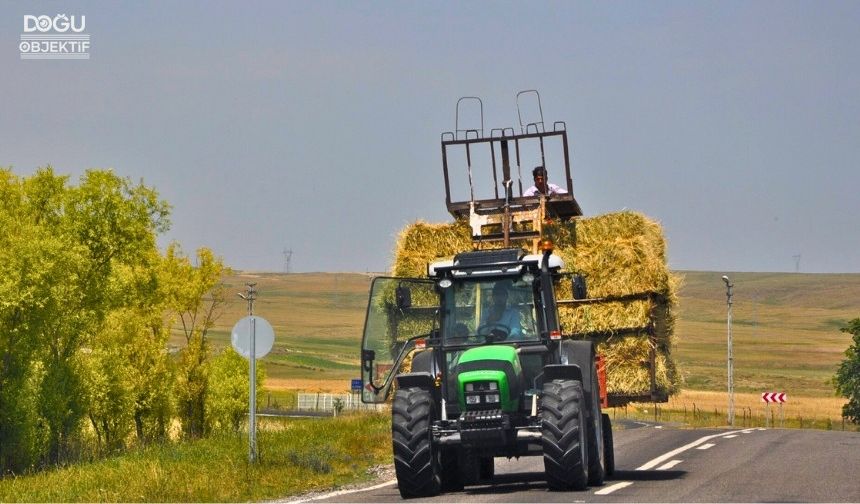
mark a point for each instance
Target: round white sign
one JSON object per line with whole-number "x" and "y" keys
{"x": 264, "y": 337}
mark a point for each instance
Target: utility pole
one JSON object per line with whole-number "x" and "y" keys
{"x": 288, "y": 256}
{"x": 250, "y": 295}
{"x": 731, "y": 382}
{"x": 796, "y": 263}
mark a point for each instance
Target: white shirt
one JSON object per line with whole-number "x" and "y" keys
{"x": 553, "y": 189}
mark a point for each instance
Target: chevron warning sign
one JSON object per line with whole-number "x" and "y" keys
{"x": 774, "y": 397}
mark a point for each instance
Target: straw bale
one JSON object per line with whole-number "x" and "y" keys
{"x": 422, "y": 243}
{"x": 628, "y": 370}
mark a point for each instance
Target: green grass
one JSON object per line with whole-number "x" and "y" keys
{"x": 295, "y": 456}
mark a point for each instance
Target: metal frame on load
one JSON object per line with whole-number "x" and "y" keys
{"x": 500, "y": 140}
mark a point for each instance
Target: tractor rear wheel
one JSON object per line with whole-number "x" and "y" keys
{"x": 416, "y": 460}
{"x": 565, "y": 457}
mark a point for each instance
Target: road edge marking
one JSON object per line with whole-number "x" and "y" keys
{"x": 662, "y": 458}
{"x": 339, "y": 493}
{"x": 618, "y": 486}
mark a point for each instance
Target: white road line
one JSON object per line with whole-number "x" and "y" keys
{"x": 618, "y": 486}
{"x": 706, "y": 446}
{"x": 667, "y": 456}
{"x": 347, "y": 492}
{"x": 724, "y": 437}
{"x": 669, "y": 465}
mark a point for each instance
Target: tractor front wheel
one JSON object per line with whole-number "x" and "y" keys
{"x": 565, "y": 457}
{"x": 416, "y": 461}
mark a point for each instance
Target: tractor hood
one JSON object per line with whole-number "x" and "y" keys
{"x": 492, "y": 376}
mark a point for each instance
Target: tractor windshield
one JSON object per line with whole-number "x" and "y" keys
{"x": 490, "y": 310}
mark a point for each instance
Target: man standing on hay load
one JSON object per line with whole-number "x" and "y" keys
{"x": 541, "y": 186}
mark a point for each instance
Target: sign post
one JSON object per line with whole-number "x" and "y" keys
{"x": 252, "y": 337}
{"x": 774, "y": 397}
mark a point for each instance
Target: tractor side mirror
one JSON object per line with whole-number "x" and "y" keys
{"x": 580, "y": 289}
{"x": 367, "y": 357}
{"x": 403, "y": 297}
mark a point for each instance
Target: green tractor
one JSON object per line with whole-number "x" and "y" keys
{"x": 473, "y": 350}
{"x": 490, "y": 375}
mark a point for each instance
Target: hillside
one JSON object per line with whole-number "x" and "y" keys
{"x": 786, "y": 328}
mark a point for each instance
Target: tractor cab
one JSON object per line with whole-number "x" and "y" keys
{"x": 492, "y": 300}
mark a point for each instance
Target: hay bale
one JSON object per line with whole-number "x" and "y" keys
{"x": 628, "y": 368}
{"x": 620, "y": 254}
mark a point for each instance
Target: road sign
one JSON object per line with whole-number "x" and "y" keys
{"x": 264, "y": 337}
{"x": 356, "y": 384}
{"x": 774, "y": 397}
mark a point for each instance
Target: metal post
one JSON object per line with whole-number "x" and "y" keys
{"x": 249, "y": 296}
{"x": 731, "y": 382}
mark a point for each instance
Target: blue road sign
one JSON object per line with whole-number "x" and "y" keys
{"x": 356, "y": 384}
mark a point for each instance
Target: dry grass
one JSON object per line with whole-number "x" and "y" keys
{"x": 796, "y": 406}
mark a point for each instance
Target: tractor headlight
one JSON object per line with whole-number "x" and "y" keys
{"x": 492, "y": 398}
{"x": 470, "y": 387}
{"x": 473, "y": 399}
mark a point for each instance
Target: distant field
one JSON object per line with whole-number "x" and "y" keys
{"x": 786, "y": 330}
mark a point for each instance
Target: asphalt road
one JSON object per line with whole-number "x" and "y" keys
{"x": 662, "y": 463}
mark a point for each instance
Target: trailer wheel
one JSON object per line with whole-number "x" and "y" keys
{"x": 563, "y": 428}
{"x": 608, "y": 447}
{"x": 596, "y": 436}
{"x": 416, "y": 460}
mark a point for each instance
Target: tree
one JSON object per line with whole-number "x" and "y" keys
{"x": 227, "y": 400}
{"x": 104, "y": 223}
{"x": 847, "y": 377}
{"x": 197, "y": 295}
{"x": 61, "y": 249}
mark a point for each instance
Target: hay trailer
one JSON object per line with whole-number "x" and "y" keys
{"x": 473, "y": 345}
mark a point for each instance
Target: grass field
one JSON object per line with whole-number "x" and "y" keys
{"x": 295, "y": 456}
{"x": 785, "y": 330}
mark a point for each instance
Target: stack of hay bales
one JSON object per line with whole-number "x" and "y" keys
{"x": 622, "y": 256}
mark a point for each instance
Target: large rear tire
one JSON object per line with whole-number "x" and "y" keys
{"x": 416, "y": 461}
{"x": 565, "y": 457}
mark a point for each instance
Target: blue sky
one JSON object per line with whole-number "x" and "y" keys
{"x": 315, "y": 126}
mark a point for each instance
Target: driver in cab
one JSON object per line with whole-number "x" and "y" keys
{"x": 501, "y": 318}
